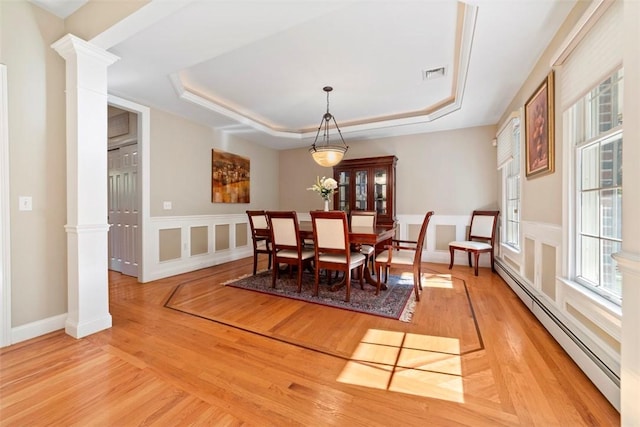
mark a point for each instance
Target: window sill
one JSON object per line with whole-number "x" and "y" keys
{"x": 597, "y": 299}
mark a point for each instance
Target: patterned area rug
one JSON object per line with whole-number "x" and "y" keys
{"x": 397, "y": 302}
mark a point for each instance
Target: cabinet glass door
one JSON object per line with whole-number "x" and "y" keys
{"x": 343, "y": 191}
{"x": 380, "y": 191}
{"x": 361, "y": 190}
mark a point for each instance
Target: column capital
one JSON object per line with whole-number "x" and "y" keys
{"x": 70, "y": 46}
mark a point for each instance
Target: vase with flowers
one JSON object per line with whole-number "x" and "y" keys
{"x": 325, "y": 187}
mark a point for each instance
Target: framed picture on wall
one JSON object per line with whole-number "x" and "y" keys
{"x": 539, "y": 130}
{"x": 230, "y": 178}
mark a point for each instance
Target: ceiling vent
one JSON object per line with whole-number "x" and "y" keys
{"x": 433, "y": 73}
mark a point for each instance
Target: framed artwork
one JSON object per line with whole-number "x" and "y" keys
{"x": 230, "y": 178}
{"x": 539, "y": 130}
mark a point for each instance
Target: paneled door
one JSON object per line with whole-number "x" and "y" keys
{"x": 124, "y": 235}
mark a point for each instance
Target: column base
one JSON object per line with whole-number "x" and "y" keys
{"x": 80, "y": 330}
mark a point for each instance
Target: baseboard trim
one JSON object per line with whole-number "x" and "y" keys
{"x": 36, "y": 329}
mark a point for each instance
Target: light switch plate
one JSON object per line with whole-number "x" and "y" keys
{"x": 25, "y": 203}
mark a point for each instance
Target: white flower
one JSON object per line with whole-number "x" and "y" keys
{"x": 329, "y": 184}
{"x": 325, "y": 186}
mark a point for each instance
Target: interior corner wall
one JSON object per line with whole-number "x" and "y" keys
{"x": 180, "y": 157}
{"x": 37, "y": 152}
{"x": 449, "y": 172}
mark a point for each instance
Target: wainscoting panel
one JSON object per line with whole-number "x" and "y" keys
{"x": 529, "y": 259}
{"x": 242, "y": 234}
{"x": 199, "y": 240}
{"x": 548, "y": 271}
{"x": 444, "y": 235}
{"x": 222, "y": 237}
{"x": 169, "y": 247}
{"x": 179, "y": 243}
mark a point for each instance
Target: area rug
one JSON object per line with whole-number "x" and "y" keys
{"x": 397, "y": 302}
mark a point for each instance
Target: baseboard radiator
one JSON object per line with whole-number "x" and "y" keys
{"x": 603, "y": 377}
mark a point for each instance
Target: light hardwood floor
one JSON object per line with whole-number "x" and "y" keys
{"x": 473, "y": 355}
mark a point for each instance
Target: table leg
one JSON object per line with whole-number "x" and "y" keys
{"x": 373, "y": 282}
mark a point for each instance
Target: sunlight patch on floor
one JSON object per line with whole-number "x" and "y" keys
{"x": 437, "y": 281}
{"x": 421, "y": 365}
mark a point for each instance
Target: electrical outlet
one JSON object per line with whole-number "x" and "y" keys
{"x": 25, "y": 203}
{"x": 166, "y": 206}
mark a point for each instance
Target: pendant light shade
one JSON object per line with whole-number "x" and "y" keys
{"x": 324, "y": 152}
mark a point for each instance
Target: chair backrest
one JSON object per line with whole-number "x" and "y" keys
{"x": 483, "y": 226}
{"x": 421, "y": 237}
{"x": 257, "y": 221}
{"x": 283, "y": 226}
{"x": 363, "y": 218}
{"x": 330, "y": 231}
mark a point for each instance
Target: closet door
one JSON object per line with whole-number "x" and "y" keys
{"x": 123, "y": 215}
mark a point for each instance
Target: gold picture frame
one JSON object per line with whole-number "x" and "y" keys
{"x": 230, "y": 178}
{"x": 539, "y": 130}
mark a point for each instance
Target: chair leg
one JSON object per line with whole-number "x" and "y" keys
{"x": 347, "y": 277}
{"x": 416, "y": 283}
{"x": 300, "y": 268}
{"x": 493, "y": 268}
{"x": 476, "y": 256}
{"x": 317, "y": 281}
{"x": 274, "y": 276}
{"x": 378, "y": 277}
{"x": 268, "y": 263}
{"x": 255, "y": 263}
{"x": 451, "y": 252}
{"x": 362, "y": 275}
{"x": 469, "y": 253}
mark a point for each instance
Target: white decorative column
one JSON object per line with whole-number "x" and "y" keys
{"x": 87, "y": 227}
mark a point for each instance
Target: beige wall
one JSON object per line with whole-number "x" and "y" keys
{"x": 450, "y": 172}
{"x": 542, "y": 196}
{"x": 36, "y": 85}
{"x": 181, "y": 168}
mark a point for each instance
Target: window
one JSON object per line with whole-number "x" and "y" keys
{"x": 596, "y": 132}
{"x": 510, "y": 136}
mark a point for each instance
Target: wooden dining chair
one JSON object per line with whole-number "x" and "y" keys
{"x": 404, "y": 253}
{"x": 260, "y": 236}
{"x": 481, "y": 238}
{"x": 333, "y": 248}
{"x": 367, "y": 219}
{"x": 287, "y": 246}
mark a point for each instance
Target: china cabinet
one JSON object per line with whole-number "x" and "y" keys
{"x": 367, "y": 184}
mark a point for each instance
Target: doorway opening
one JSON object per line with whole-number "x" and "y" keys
{"x": 123, "y": 192}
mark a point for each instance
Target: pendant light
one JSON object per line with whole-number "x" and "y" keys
{"x": 324, "y": 153}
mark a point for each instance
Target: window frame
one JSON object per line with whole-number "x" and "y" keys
{"x": 507, "y": 172}
{"x": 581, "y": 137}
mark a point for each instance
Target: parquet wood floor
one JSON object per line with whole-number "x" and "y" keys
{"x": 472, "y": 356}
